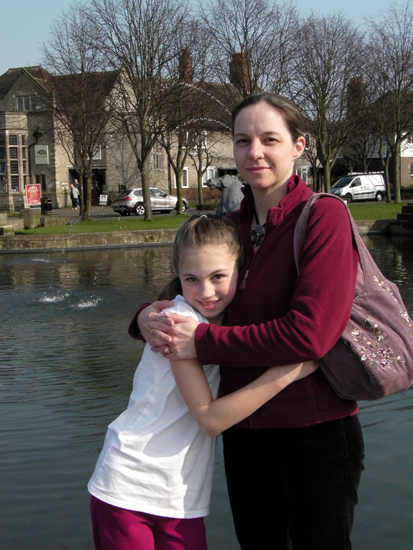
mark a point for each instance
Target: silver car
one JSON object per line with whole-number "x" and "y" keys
{"x": 131, "y": 201}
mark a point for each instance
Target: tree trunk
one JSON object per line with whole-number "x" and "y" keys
{"x": 178, "y": 176}
{"x": 396, "y": 174}
{"x": 145, "y": 189}
{"x": 326, "y": 171}
{"x": 200, "y": 188}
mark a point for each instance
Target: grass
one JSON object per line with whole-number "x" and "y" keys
{"x": 360, "y": 211}
{"x": 375, "y": 210}
{"x": 105, "y": 225}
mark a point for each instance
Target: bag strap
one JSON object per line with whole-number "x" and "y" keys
{"x": 301, "y": 226}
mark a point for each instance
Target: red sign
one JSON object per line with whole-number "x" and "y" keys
{"x": 33, "y": 194}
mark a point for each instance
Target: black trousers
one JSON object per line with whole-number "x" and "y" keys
{"x": 294, "y": 486}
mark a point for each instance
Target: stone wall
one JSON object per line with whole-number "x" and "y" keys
{"x": 35, "y": 243}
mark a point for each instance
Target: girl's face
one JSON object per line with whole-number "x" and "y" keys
{"x": 264, "y": 150}
{"x": 209, "y": 279}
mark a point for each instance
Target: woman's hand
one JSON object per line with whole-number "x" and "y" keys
{"x": 168, "y": 333}
{"x": 153, "y": 313}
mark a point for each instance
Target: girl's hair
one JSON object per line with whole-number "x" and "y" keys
{"x": 292, "y": 116}
{"x": 198, "y": 231}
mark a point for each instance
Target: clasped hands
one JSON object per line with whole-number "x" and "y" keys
{"x": 168, "y": 333}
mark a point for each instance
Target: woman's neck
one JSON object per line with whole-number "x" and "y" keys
{"x": 263, "y": 202}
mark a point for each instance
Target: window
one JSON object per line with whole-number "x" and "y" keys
{"x": 411, "y": 169}
{"x": 209, "y": 174}
{"x": 2, "y": 146}
{"x": 23, "y": 152}
{"x": 14, "y": 167}
{"x": 13, "y": 152}
{"x": 157, "y": 156}
{"x": 302, "y": 171}
{"x": 204, "y": 140}
{"x": 185, "y": 179}
{"x": 15, "y": 183}
{"x": 98, "y": 154}
{"x": 24, "y": 167}
{"x": 27, "y": 103}
{"x": 23, "y": 140}
{"x": 13, "y": 139}
{"x": 2, "y": 167}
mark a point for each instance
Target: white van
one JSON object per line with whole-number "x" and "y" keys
{"x": 359, "y": 187}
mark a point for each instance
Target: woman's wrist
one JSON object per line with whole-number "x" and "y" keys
{"x": 133, "y": 329}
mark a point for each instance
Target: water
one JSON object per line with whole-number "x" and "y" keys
{"x": 66, "y": 371}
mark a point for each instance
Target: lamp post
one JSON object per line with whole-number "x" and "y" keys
{"x": 37, "y": 134}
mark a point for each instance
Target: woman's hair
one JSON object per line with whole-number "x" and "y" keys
{"x": 292, "y": 116}
{"x": 198, "y": 231}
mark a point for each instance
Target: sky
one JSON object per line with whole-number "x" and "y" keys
{"x": 25, "y": 24}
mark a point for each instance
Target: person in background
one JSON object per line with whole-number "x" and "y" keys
{"x": 74, "y": 195}
{"x": 77, "y": 185}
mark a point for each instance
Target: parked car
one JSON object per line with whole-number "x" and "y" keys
{"x": 131, "y": 202}
{"x": 359, "y": 186}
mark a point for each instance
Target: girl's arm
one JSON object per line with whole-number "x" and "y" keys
{"x": 215, "y": 416}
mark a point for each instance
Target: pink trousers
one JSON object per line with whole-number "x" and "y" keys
{"x": 119, "y": 529}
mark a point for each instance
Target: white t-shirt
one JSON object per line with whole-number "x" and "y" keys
{"x": 155, "y": 458}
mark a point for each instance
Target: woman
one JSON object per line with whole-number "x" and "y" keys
{"x": 294, "y": 466}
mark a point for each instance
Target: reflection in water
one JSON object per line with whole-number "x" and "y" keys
{"x": 66, "y": 371}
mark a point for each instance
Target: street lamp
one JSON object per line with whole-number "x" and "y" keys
{"x": 37, "y": 134}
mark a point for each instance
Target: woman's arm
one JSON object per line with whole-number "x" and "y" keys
{"x": 215, "y": 416}
{"x": 320, "y": 304}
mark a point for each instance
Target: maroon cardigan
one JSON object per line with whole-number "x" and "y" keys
{"x": 279, "y": 318}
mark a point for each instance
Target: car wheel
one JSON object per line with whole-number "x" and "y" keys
{"x": 347, "y": 198}
{"x": 379, "y": 197}
{"x": 140, "y": 209}
{"x": 183, "y": 207}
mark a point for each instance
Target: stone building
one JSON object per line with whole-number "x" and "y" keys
{"x": 31, "y": 151}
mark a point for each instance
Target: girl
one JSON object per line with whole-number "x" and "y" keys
{"x": 152, "y": 483}
{"x": 293, "y": 467}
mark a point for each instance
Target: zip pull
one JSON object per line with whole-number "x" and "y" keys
{"x": 244, "y": 281}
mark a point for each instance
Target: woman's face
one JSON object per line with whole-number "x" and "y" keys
{"x": 264, "y": 150}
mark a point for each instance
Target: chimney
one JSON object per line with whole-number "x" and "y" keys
{"x": 186, "y": 71}
{"x": 356, "y": 94}
{"x": 238, "y": 72}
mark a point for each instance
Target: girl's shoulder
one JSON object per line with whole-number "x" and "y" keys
{"x": 183, "y": 308}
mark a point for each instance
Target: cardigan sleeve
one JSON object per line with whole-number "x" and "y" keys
{"x": 133, "y": 329}
{"x": 320, "y": 305}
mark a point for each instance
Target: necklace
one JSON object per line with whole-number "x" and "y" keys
{"x": 258, "y": 232}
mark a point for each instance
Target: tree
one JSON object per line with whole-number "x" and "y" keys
{"x": 362, "y": 142}
{"x": 390, "y": 62}
{"x": 256, "y": 40}
{"x": 142, "y": 38}
{"x": 78, "y": 93}
{"x": 331, "y": 50}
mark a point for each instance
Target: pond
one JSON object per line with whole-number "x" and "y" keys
{"x": 66, "y": 372}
